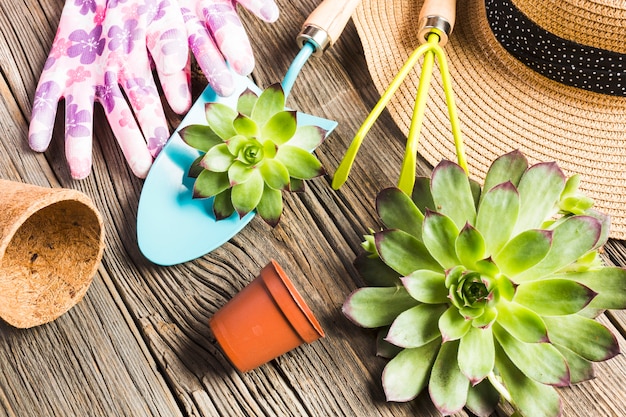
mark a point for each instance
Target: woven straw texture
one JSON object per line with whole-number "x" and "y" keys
{"x": 502, "y": 104}
{"x": 51, "y": 243}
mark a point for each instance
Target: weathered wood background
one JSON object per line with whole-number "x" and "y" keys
{"x": 139, "y": 343}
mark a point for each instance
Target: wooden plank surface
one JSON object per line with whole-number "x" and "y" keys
{"x": 139, "y": 343}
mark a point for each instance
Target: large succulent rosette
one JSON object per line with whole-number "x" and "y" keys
{"x": 483, "y": 294}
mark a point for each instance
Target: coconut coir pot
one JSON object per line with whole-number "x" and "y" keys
{"x": 264, "y": 320}
{"x": 51, "y": 243}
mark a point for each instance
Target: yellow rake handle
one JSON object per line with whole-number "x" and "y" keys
{"x": 430, "y": 50}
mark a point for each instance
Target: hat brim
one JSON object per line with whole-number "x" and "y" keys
{"x": 502, "y": 104}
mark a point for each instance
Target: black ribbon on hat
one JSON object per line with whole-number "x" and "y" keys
{"x": 559, "y": 59}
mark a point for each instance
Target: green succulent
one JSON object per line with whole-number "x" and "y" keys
{"x": 251, "y": 154}
{"x": 483, "y": 294}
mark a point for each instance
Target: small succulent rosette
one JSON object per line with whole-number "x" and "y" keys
{"x": 251, "y": 154}
{"x": 488, "y": 294}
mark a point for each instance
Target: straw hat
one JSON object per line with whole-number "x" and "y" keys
{"x": 503, "y": 104}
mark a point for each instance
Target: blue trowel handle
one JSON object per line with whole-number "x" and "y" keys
{"x": 324, "y": 25}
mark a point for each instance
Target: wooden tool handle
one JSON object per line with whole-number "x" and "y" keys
{"x": 437, "y": 16}
{"x": 329, "y": 18}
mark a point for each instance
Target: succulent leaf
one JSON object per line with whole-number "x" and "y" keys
{"x": 403, "y": 252}
{"x": 523, "y": 251}
{"x": 416, "y": 326}
{"x": 508, "y": 167}
{"x": 540, "y": 189}
{"x": 397, "y": 211}
{"x": 270, "y": 102}
{"x": 210, "y": 183}
{"x": 217, "y": 159}
{"x": 449, "y": 179}
{"x": 453, "y": 325}
{"x": 439, "y": 234}
{"x": 300, "y": 163}
{"x": 274, "y": 174}
{"x": 608, "y": 282}
{"x": 541, "y": 362}
{"x": 470, "y": 246}
{"x": 448, "y": 386}
{"x": 270, "y": 206}
{"x": 307, "y": 137}
{"x": 222, "y": 205}
{"x": 530, "y": 397}
{"x": 246, "y": 102}
{"x": 375, "y": 272}
{"x": 476, "y": 354}
{"x": 553, "y": 297}
{"x": 220, "y": 118}
{"x": 280, "y": 127}
{"x": 372, "y": 307}
{"x": 583, "y": 336}
{"x": 245, "y": 126}
{"x": 246, "y": 196}
{"x": 570, "y": 240}
{"x": 195, "y": 168}
{"x": 384, "y": 349}
{"x": 421, "y": 195}
{"x": 580, "y": 369}
{"x": 523, "y": 323}
{"x": 497, "y": 215}
{"x": 406, "y": 375}
{"x": 482, "y": 399}
{"x": 239, "y": 173}
{"x": 426, "y": 286}
{"x": 200, "y": 137}
{"x": 296, "y": 185}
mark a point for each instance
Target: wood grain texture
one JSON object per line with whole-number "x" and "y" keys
{"x": 139, "y": 343}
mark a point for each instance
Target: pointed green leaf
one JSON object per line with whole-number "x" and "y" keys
{"x": 274, "y": 174}
{"x": 482, "y": 399}
{"x": 375, "y": 307}
{"x": 530, "y": 397}
{"x": 416, "y": 326}
{"x": 270, "y": 206}
{"x": 541, "y": 362}
{"x": 523, "y": 251}
{"x": 426, "y": 286}
{"x": 406, "y": 375}
{"x": 270, "y": 102}
{"x": 452, "y": 193}
{"x": 384, "y": 349}
{"x": 239, "y": 173}
{"x": 608, "y": 282}
{"x": 453, "y": 325}
{"x": 307, "y": 137}
{"x": 236, "y": 143}
{"x": 246, "y": 102}
{"x": 570, "y": 240}
{"x": 422, "y": 196}
{"x": 280, "y": 127}
{"x": 403, "y": 252}
{"x": 448, "y": 387}
{"x": 300, "y": 163}
{"x": 200, "y": 137}
{"x": 497, "y": 215}
{"x": 210, "y": 183}
{"x": 540, "y": 189}
{"x": 245, "y": 126}
{"x": 476, "y": 354}
{"x": 375, "y": 272}
{"x": 486, "y": 319}
{"x": 296, "y": 185}
{"x": 217, "y": 159}
{"x": 439, "y": 235}
{"x": 220, "y": 118}
{"x": 247, "y": 195}
{"x": 583, "y": 336}
{"x": 508, "y": 167}
{"x": 397, "y": 211}
{"x": 553, "y": 297}
{"x": 222, "y": 206}
{"x": 470, "y": 246}
{"x": 523, "y": 323}
{"x": 580, "y": 369}
{"x": 195, "y": 168}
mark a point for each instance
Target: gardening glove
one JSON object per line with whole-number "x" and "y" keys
{"x": 100, "y": 46}
{"x": 216, "y": 36}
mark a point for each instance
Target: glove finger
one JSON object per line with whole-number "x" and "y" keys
{"x": 78, "y": 132}
{"x": 176, "y": 89}
{"x": 207, "y": 55}
{"x": 44, "y": 112}
{"x": 166, "y": 39}
{"x": 264, "y": 9}
{"x": 230, "y": 37}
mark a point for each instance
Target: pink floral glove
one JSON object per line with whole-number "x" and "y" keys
{"x": 216, "y": 36}
{"x": 100, "y": 46}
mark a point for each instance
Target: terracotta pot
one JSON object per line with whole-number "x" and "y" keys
{"x": 264, "y": 320}
{"x": 51, "y": 243}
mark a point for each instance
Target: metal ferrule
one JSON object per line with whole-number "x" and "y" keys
{"x": 316, "y": 36}
{"x": 434, "y": 24}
